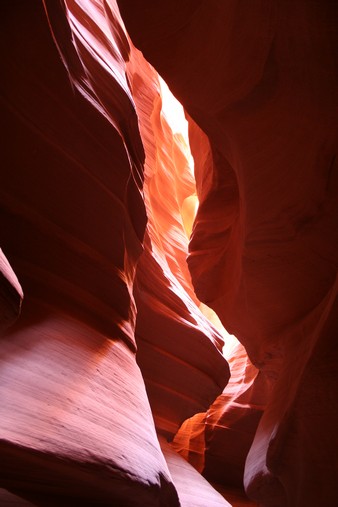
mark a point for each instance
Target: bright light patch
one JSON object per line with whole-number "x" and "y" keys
{"x": 173, "y": 112}
{"x": 230, "y": 341}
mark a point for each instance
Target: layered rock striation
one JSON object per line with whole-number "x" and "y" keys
{"x": 76, "y": 423}
{"x": 259, "y": 80}
{"x": 105, "y": 345}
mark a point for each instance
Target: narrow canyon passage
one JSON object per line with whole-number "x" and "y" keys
{"x": 140, "y": 235}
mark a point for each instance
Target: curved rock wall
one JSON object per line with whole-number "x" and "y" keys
{"x": 179, "y": 352}
{"x": 76, "y": 424}
{"x": 72, "y": 225}
{"x": 259, "y": 80}
{"x": 88, "y": 154}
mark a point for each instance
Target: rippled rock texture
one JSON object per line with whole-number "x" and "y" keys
{"x": 85, "y": 141}
{"x": 112, "y": 349}
{"x": 259, "y": 80}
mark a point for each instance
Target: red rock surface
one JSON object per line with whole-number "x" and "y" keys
{"x": 73, "y": 221}
{"x": 10, "y": 294}
{"x": 98, "y": 202}
{"x": 10, "y": 500}
{"x": 217, "y": 442}
{"x": 76, "y": 424}
{"x": 67, "y": 427}
{"x": 182, "y": 376}
{"x": 260, "y": 80}
{"x": 192, "y": 489}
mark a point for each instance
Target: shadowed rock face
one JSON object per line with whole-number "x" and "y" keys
{"x": 112, "y": 347}
{"x": 259, "y": 81}
{"x": 73, "y": 402}
{"x": 76, "y": 422}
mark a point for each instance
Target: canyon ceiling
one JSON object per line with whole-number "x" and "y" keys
{"x": 126, "y": 273}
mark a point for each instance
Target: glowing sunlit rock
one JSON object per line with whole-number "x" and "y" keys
{"x": 76, "y": 423}
{"x": 178, "y": 348}
{"x": 259, "y": 82}
{"x": 102, "y": 204}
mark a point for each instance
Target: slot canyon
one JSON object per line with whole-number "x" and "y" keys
{"x": 169, "y": 251}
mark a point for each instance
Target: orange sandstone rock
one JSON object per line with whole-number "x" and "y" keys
{"x": 260, "y": 81}
{"x": 76, "y": 424}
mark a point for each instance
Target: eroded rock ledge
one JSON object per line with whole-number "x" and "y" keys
{"x": 76, "y": 423}
{"x": 259, "y": 81}
{"x": 112, "y": 348}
